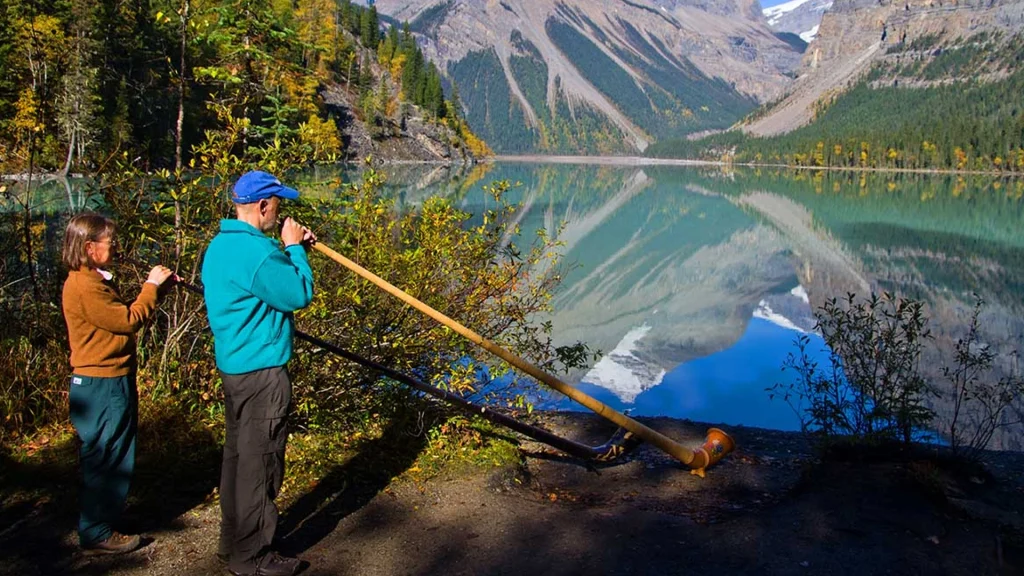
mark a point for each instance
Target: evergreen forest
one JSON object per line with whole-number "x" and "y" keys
{"x": 83, "y": 80}
{"x": 957, "y": 107}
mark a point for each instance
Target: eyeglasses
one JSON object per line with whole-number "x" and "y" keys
{"x": 110, "y": 241}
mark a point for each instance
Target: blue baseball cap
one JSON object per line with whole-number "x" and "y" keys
{"x": 257, "y": 185}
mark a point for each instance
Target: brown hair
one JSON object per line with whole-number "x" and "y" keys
{"x": 84, "y": 227}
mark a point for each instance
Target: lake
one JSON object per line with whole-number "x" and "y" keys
{"x": 694, "y": 282}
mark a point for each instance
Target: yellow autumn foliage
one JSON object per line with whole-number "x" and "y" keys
{"x": 321, "y": 136}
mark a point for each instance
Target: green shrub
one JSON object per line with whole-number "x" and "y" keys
{"x": 981, "y": 404}
{"x": 872, "y": 388}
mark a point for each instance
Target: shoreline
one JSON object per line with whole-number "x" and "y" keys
{"x": 623, "y": 161}
{"x": 646, "y": 161}
{"x": 601, "y": 160}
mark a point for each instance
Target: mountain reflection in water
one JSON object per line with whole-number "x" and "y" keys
{"x": 694, "y": 283}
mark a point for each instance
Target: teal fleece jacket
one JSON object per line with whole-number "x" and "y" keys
{"x": 252, "y": 288}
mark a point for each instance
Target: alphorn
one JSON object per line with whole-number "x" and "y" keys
{"x": 716, "y": 444}
{"x": 620, "y": 444}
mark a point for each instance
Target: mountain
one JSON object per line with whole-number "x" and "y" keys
{"x": 599, "y": 76}
{"x": 910, "y": 43}
{"x": 799, "y": 17}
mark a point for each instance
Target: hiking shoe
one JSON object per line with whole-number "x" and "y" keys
{"x": 272, "y": 564}
{"x": 117, "y": 543}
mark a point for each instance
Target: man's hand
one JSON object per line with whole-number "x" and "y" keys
{"x": 294, "y": 233}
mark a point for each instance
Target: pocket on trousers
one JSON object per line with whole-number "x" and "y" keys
{"x": 277, "y": 433}
{"x": 82, "y": 402}
{"x": 263, "y": 436}
{"x": 119, "y": 393}
{"x": 263, "y": 426}
{"x": 272, "y": 395}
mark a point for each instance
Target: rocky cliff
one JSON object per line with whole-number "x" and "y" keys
{"x": 856, "y": 35}
{"x": 416, "y": 141}
{"x": 600, "y": 75}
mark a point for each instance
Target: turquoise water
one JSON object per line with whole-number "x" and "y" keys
{"x": 694, "y": 284}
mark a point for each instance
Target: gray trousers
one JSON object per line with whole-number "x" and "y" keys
{"x": 256, "y": 418}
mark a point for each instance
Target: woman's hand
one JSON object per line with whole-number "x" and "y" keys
{"x": 159, "y": 274}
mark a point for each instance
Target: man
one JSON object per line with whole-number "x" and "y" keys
{"x": 252, "y": 288}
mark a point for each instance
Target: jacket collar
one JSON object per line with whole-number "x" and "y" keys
{"x": 234, "y": 225}
{"x": 93, "y": 274}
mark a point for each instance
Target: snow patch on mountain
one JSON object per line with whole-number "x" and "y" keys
{"x": 801, "y": 293}
{"x": 810, "y": 34}
{"x": 622, "y": 372}
{"x": 764, "y": 311}
{"x": 800, "y": 17}
{"x": 791, "y": 310}
{"x": 775, "y": 13}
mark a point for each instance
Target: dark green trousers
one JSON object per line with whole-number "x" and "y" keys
{"x": 105, "y": 413}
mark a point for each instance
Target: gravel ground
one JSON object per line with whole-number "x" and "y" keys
{"x": 771, "y": 507}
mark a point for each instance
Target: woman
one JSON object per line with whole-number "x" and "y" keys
{"x": 103, "y": 397}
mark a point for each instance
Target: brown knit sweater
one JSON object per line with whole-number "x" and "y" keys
{"x": 101, "y": 328}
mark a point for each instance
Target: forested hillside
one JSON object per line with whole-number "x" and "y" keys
{"x": 953, "y": 104}
{"x": 660, "y": 97}
{"x": 83, "y": 80}
{"x": 600, "y": 76}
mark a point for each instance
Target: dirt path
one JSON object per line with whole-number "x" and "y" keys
{"x": 769, "y": 508}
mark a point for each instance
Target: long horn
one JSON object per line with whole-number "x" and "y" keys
{"x": 620, "y": 444}
{"x": 716, "y": 445}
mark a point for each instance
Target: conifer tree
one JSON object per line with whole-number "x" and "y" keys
{"x": 8, "y": 82}
{"x": 369, "y": 27}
